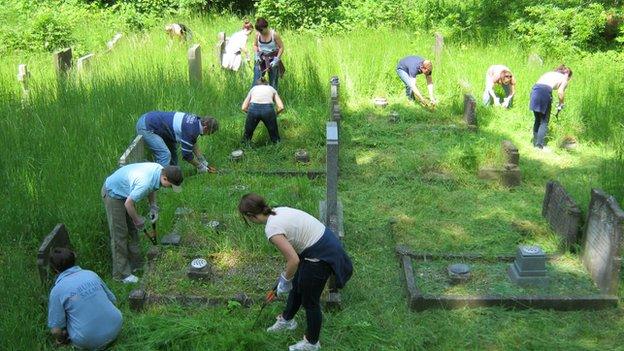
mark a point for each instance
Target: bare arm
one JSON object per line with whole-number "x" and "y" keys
{"x": 198, "y": 154}
{"x": 430, "y": 87}
{"x": 561, "y": 91}
{"x": 255, "y": 44}
{"x": 292, "y": 259}
{"x": 279, "y": 103}
{"x": 245, "y": 106}
{"x": 278, "y": 41}
{"x": 132, "y": 212}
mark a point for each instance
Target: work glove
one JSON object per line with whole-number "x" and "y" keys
{"x": 506, "y": 102}
{"x": 153, "y": 214}
{"x": 283, "y": 285}
{"x": 140, "y": 224}
{"x": 257, "y": 58}
{"x": 274, "y": 62}
{"x": 560, "y": 107}
{"x": 202, "y": 168}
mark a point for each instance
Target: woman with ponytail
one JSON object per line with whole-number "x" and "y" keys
{"x": 312, "y": 254}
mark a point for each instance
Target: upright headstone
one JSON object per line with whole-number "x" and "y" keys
{"x": 59, "y": 237}
{"x": 111, "y": 43}
{"x": 510, "y": 151}
{"x": 220, "y": 47}
{"x": 84, "y": 62}
{"x": 334, "y": 84}
{"x": 195, "y": 64}
{"x": 602, "y": 250}
{"x": 332, "y": 176}
{"x": 23, "y": 75}
{"x": 535, "y": 59}
{"x": 470, "y": 111}
{"x": 439, "y": 46}
{"x": 63, "y": 61}
{"x": 134, "y": 153}
{"x": 562, "y": 213}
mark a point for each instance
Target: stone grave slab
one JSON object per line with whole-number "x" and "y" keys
{"x": 602, "y": 249}
{"x": 134, "y": 153}
{"x": 562, "y": 213}
{"x": 58, "y": 237}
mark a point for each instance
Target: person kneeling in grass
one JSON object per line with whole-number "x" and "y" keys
{"x": 312, "y": 254}
{"x": 541, "y": 100}
{"x": 163, "y": 131}
{"x": 499, "y": 74}
{"x": 259, "y": 106}
{"x": 81, "y": 308}
{"x": 121, "y": 190}
{"x": 407, "y": 69}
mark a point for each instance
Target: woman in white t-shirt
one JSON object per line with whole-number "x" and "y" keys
{"x": 236, "y": 47}
{"x": 312, "y": 254}
{"x": 259, "y": 107}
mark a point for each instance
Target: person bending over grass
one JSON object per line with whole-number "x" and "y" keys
{"x": 312, "y": 254}
{"x": 499, "y": 74}
{"x": 163, "y": 131}
{"x": 236, "y": 47}
{"x": 541, "y": 100}
{"x": 121, "y": 190}
{"x": 259, "y": 107}
{"x": 81, "y": 308}
{"x": 407, "y": 69}
{"x": 268, "y": 49}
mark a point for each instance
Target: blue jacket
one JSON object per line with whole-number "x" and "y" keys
{"x": 175, "y": 127}
{"x": 329, "y": 249}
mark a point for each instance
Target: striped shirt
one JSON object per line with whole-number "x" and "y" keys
{"x": 175, "y": 127}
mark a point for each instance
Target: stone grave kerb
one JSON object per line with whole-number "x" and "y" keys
{"x": 602, "y": 248}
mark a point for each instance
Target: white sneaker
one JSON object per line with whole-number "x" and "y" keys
{"x": 304, "y": 345}
{"x": 282, "y": 324}
{"x": 131, "y": 279}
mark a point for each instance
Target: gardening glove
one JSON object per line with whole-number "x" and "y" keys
{"x": 153, "y": 214}
{"x": 140, "y": 224}
{"x": 560, "y": 107}
{"x": 257, "y": 58}
{"x": 274, "y": 62}
{"x": 202, "y": 168}
{"x": 284, "y": 285}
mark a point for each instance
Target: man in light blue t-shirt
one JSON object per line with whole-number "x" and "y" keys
{"x": 81, "y": 308}
{"x": 121, "y": 191}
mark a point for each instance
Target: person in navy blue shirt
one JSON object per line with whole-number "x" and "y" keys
{"x": 407, "y": 69}
{"x": 163, "y": 131}
{"x": 81, "y": 308}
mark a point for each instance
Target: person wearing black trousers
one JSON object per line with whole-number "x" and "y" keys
{"x": 312, "y": 252}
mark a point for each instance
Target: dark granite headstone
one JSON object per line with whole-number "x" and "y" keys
{"x": 195, "y": 64}
{"x": 470, "y": 111}
{"x": 137, "y": 299}
{"x": 603, "y": 241}
{"x": 63, "y": 61}
{"x": 59, "y": 237}
{"x": 562, "y": 213}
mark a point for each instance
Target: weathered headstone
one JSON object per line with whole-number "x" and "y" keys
{"x": 529, "y": 268}
{"x": 23, "y": 75}
{"x": 602, "y": 250}
{"x": 137, "y": 299}
{"x": 63, "y": 61}
{"x": 84, "y": 62}
{"x": 59, "y": 237}
{"x": 302, "y": 156}
{"x": 562, "y": 213}
{"x": 220, "y": 47}
{"x": 510, "y": 151}
{"x": 195, "y": 64}
{"x": 439, "y": 46}
{"x": 331, "y": 215}
{"x": 470, "y": 111}
{"x": 111, "y": 43}
{"x": 134, "y": 153}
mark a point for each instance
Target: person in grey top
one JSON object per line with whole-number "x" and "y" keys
{"x": 407, "y": 69}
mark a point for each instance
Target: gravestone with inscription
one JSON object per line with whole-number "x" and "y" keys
{"x": 59, "y": 237}
{"x": 195, "y": 65}
{"x": 602, "y": 249}
{"x": 562, "y": 213}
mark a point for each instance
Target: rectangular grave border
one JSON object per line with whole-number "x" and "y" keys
{"x": 418, "y": 301}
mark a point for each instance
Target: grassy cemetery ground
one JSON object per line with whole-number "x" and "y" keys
{"x": 420, "y": 172}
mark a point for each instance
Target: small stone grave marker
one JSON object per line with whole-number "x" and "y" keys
{"x": 220, "y": 47}
{"x": 562, "y": 213}
{"x": 84, "y": 62}
{"x": 302, "y": 156}
{"x": 173, "y": 239}
{"x": 393, "y": 117}
{"x": 195, "y": 64}
{"x": 470, "y": 112}
{"x": 23, "y": 75}
{"x": 529, "y": 268}
{"x": 439, "y": 45}
{"x": 199, "y": 269}
{"x": 380, "y": 102}
{"x": 511, "y": 152}
{"x": 111, "y": 43}
{"x": 58, "y": 237}
{"x": 602, "y": 250}
{"x": 458, "y": 272}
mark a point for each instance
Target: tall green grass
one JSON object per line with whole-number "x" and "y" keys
{"x": 58, "y": 149}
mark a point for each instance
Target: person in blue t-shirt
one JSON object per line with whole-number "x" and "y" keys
{"x": 407, "y": 69}
{"x": 120, "y": 192}
{"x": 81, "y": 308}
{"x": 163, "y": 131}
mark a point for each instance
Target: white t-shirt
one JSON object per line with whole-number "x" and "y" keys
{"x": 300, "y": 228}
{"x": 262, "y": 94}
{"x": 553, "y": 79}
{"x": 236, "y": 42}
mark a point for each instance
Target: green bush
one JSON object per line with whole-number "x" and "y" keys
{"x": 299, "y": 14}
{"x": 50, "y": 31}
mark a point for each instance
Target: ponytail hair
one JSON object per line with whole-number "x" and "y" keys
{"x": 253, "y": 204}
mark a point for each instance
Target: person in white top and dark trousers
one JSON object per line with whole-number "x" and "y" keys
{"x": 312, "y": 254}
{"x": 259, "y": 107}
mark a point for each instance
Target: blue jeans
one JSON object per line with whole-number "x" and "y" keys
{"x": 164, "y": 153}
{"x": 540, "y": 128}
{"x": 273, "y": 75}
{"x": 264, "y": 113}
{"x": 408, "y": 81}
